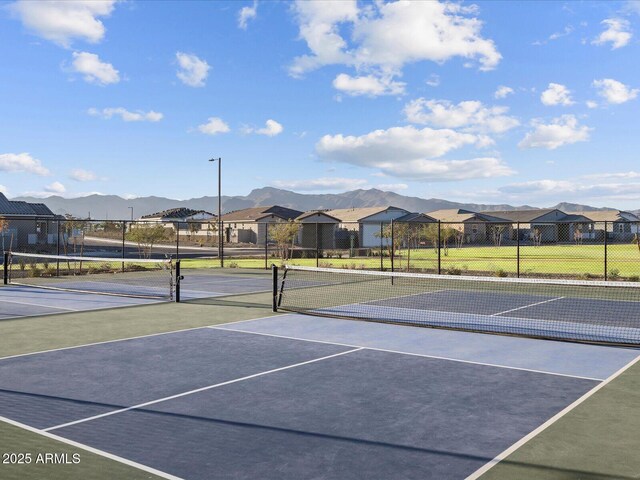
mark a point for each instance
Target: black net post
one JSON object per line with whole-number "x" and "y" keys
{"x": 274, "y": 287}
{"x": 5, "y": 268}
{"x": 124, "y": 233}
{"x": 58, "y": 247}
{"x": 606, "y": 275}
{"x": 179, "y": 277}
{"x": 392, "y": 246}
{"x": 518, "y": 249}
{"x": 439, "y": 247}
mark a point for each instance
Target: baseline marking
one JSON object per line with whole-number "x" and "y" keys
{"x": 501, "y": 456}
{"x": 435, "y": 357}
{"x": 526, "y": 306}
{"x": 2, "y": 300}
{"x": 110, "y": 456}
{"x": 198, "y": 390}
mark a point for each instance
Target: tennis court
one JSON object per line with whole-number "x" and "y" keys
{"x": 220, "y": 387}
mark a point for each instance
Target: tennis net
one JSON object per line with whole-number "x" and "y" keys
{"x": 585, "y": 311}
{"x": 147, "y": 278}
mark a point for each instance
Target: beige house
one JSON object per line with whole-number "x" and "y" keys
{"x": 366, "y": 223}
{"x": 250, "y": 225}
{"x": 620, "y": 225}
{"x": 475, "y": 227}
{"x": 546, "y": 224}
{"x": 186, "y": 221}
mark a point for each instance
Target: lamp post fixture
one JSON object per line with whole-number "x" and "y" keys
{"x": 220, "y": 247}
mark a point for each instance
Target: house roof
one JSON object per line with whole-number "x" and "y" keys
{"x": 310, "y": 213}
{"x": 13, "y": 207}
{"x": 357, "y": 214}
{"x": 459, "y": 215}
{"x": 416, "y": 218}
{"x": 176, "y": 213}
{"x": 609, "y": 215}
{"x": 256, "y": 213}
{"x": 525, "y": 216}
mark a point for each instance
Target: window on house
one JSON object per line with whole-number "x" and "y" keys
{"x": 474, "y": 228}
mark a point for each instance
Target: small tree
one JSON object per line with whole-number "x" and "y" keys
{"x": 537, "y": 237}
{"x": 577, "y": 235}
{"x": 284, "y": 235}
{"x": 497, "y": 231}
{"x": 194, "y": 227}
{"x": 146, "y": 236}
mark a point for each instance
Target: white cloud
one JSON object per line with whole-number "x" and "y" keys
{"x": 21, "y": 162}
{"x": 63, "y": 21}
{"x": 317, "y": 184}
{"x": 369, "y": 85}
{"x": 193, "y": 70}
{"x": 126, "y": 115}
{"x": 246, "y": 14}
{"x": 556, "y": 35}
{"x": 614, "y": 91}
{"x": 271, "y": 129}
{"x": 617, "y": 33}
{"x": 55, "y": 187}
{"x": 433, "y": 80}
{"x": 471, "y": 115}
{"x": 93, "y": 69}
{"x": 4, "y": 190}
{"x": 503, "y": 91}
{"x": 623, "y": 175}
{"x": 214, "y": 126}
{"x": 387, "y": 36}
{"x": 591, "y": 104}
{"x": 575, "y": 189}
{"x": 80, "y": 175}
{"x": 556, "y": 94}
{"x": 561, "y": 131}
{"x": 407, "y": 152}
{"x": 392, "y": 187}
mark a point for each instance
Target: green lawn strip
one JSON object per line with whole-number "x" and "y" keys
{"x": 599, "y": 439}
{"x": 34, "y": 334}
{"x": 91, "y": 466}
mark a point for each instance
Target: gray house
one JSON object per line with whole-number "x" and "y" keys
{"x": 620, "y": 225}
{"x": 473, "y": 226}
{"x": 249, "y": 225}
{"x": 366, "y": 223}
{"x": 29, "y": 225}
{"x": 317, "y": 224}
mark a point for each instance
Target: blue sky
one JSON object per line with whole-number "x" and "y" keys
{"x": 493, "y": 102}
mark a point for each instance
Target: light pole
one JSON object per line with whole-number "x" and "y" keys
{"x": 220, "y": 247}
{"x": 131, "y": 208}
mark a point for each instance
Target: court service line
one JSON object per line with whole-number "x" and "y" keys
{"x": 526, "y": 306}
{"x": 88, "y": 448}
{"x": 198, "y": 390}
{"x": 485, "y": 468}
{"x": 114, "y": 340}
{"x": 423, "y": 355}
{"x": 2, "y": 300}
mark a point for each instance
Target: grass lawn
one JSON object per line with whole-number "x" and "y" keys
{"x": 574, "y": 260}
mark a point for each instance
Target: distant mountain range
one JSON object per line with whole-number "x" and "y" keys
{"x": 114, "y": 207}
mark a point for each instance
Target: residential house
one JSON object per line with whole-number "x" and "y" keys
{"x": 473, "y": 226}
{"x": 317, "y": 230}
{"x": 544, "y": 224}
{"x": 186, "y": 221}
{"x": 29, "y": 224}
{"x": 250, "y": 225}
{"x": 620, "y": 225}
{"x": 364, "y": 226}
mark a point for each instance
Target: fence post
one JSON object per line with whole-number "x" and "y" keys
{"x": 439, "y": 248}
{"x": 124, "y": 230}
{"x": 266, "y": 245}
{"x": 58, "y": 248}
{"x": 392, "y": 246}
{"x": 5, "y": 269}
{"x": 274, "y": 288}
{"x": 317, "y": 247}
{"x": 177, "y": 227}
{"x": 518, "y": 249}
{"x": 606, "y": 275}
{"x": 381, "y": 246}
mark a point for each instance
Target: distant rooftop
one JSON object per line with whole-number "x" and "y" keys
{"x": 17, "y": 208}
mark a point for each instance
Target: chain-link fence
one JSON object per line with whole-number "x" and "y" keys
{"x": 588, "y": 250}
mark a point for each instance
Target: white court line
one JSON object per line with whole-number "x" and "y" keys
{"x": 2, "y": 300}
{"x": 110, "y": 456}
{"x": 485, "y": 468}
{"x": 526, "y": 306}
{"x": 198, "y": 390}
{"x": 115, "y": 340}
{"x": 436, "y": 357}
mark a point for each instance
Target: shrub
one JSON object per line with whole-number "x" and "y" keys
{"x": 500, "y": 272}
{"x": 614, "y": 273}
{"x": 233, "y": 265}
{"x": 453, "y": 271}
{"x": 325, "y": 264}
{"x": 634, "y": 278}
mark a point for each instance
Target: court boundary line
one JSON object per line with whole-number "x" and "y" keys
{"x": 527, "y": 306}
{"x": 435, "y": 357}
{"x": 117, "y": 339}
{"x": 198, "y": 390}
{"x": 504, "y": 454}
{"x": 90, "y": 449}
{"x": 38, "y": 305}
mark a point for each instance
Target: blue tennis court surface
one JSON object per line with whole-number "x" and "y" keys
{"x": 297, "y": 397}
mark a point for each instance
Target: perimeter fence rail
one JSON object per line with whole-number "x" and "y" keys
{"x": 586, "y": 250}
